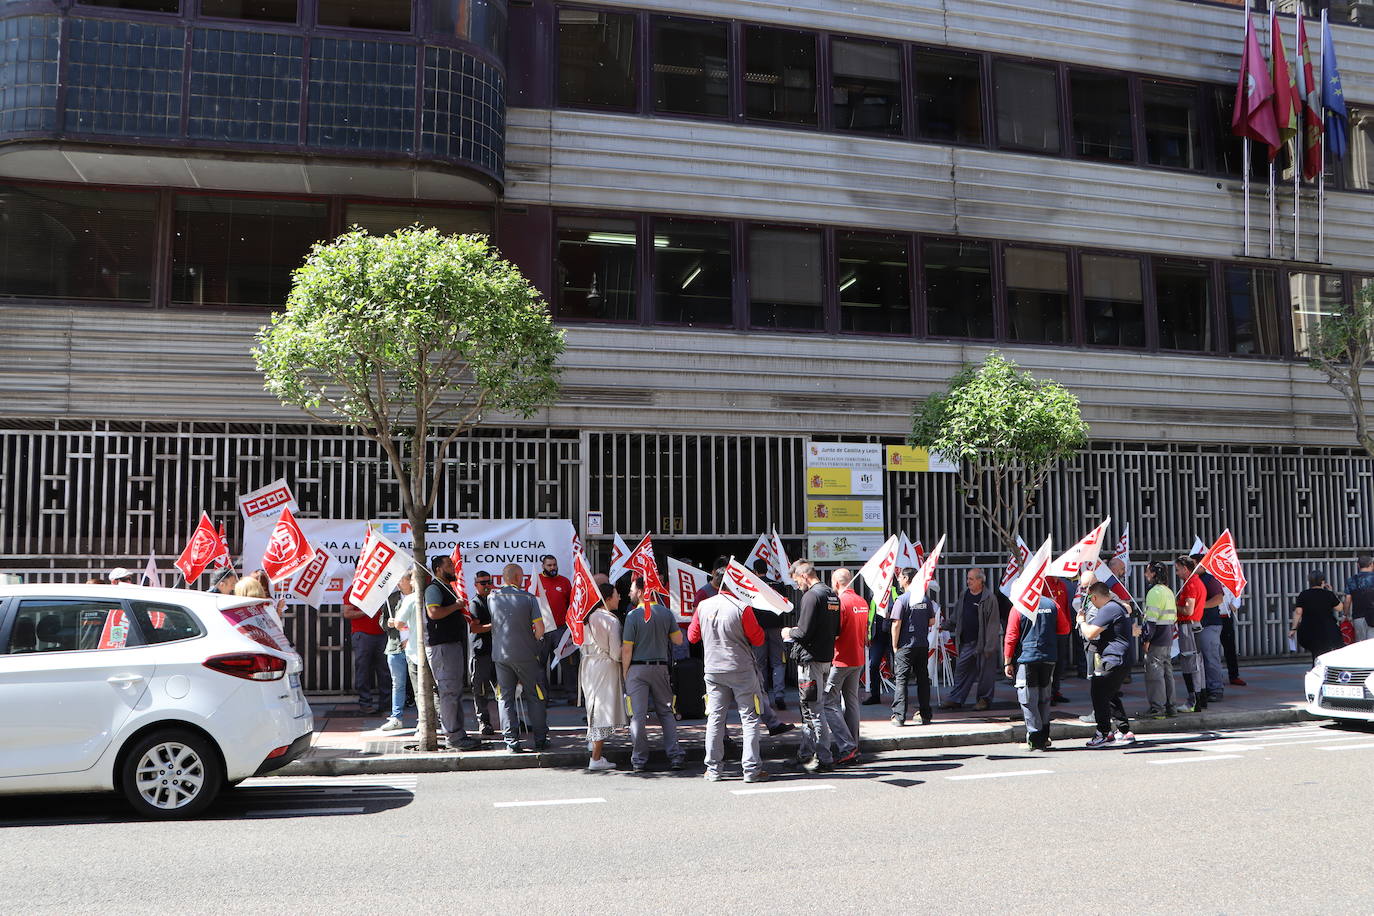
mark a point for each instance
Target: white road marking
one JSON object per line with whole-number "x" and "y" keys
{"x": 1160, "y": 763}
{"x": 999, "y": 775}
{"x": 1348, "y": 747}
{"x": 772, "y": 789}
{"x": 554, "y": 801}
{"x": 292, "y": 812}
{"x": 1246, "y": 746}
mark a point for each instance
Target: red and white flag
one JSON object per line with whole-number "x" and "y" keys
{"x": 783, "y": 565}
{"x": 909, "y": 555}
{"x": 1103, "y": 573}
{"x": 262, "y": 507}
{"x": 1221, "y": 561}
{"x": 205, "y": 545}
{"x": 223, "y": 560}
{"x": 877, "y": 573}
{"x": 1014, "y": 564}
{"x": 545, "y": 609}
{"x": 287, "y": 548}
{"x": 1123, "y": 545}
{"x": 380, "y": 567}
{"x": 1199, "y": 546}
{"x": 620, "y": 553}
{"x": 151, "y": 577}
{"x": 585, "y": 596}
{"x": 684, "y": 581}
{"x": 1030, "y": 585}
{"x": 310, "y": 583}
{"x": 1082, "y": 555}
{"x": 749, "y": 588}
{"x": 460, "y": 584}
{"x": 926, "y": 572}
{"x": 763, "y": 550}
{"x": 642, "y": 561}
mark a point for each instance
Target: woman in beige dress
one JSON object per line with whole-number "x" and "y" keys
{"x": 600, "y": 676}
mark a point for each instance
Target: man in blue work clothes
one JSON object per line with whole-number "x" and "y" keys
{"x": 517, "y": 633}
{"x": 911, "y": 617}
{"x": 649, "y": 632}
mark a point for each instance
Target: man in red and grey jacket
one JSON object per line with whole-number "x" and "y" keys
{"x": 1029, "y": 652}
{"x": 729, "y": 634}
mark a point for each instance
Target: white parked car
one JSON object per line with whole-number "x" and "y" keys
{"x": 1341, "y": 684}
{"x": 163, "y": 695}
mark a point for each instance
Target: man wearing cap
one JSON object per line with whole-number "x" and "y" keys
{"x": 911, "y": 617}
{"x": 121, "y": 576}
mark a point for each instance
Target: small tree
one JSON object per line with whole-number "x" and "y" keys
{"x": 411, "y": 338}
{"x": 1007, "y": 430}
{"x": 1340, "y": 347}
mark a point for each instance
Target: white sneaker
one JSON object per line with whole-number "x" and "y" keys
{"x": 1100, "y": 740}
{"x": 600, "y": 763}
{"x": 392, "y": 724}
{"x": 1124, "y": 739}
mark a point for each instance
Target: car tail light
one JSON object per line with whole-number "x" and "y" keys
{"x": 252, "y": 666}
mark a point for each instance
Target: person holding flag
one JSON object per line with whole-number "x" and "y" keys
{"x": 728, "y": 632}
{"x": 1030, "y": 648}
{"x": 1189, "y": 601}
{"x": 909, "y": 634}
{"x": 646, "y": 652}
{"x": 599, "y": 676}
{"x": 1108, "y": 631}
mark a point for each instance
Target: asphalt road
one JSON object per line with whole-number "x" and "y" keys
{"x": 1266, "y": 821}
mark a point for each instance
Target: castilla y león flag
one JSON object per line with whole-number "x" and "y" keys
{"x": 1222, "y": 562}
{"x": 287, "y": 549}
{"x": 205, "y": 546}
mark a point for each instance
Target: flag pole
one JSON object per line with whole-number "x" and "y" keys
{"x": 1321, "y": 167}
{"x": 1273, "y": 198}
{"x": 1296, "y": 160}
{"x": 1245, "y": 157}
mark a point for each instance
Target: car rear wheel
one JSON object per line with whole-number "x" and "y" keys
{"x": 171, "y": 774}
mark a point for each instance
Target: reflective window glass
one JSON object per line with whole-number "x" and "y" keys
{"x": 691, "y": 67}
{"x": 785, "y": 279}
{"x": 866, "y": 86}
{"x": 1252, "y": 311}
{"x": 379, "y": 219}
{"x": 1183, "y": 302}
{"x": 240, "y": 251}
{"x": 375, "y": 15}
{"x": 70, "y": 625}
{"x": 1101, "y": 116}
{"x": 165, "y": 622}
{"x": 779, "y": 75}
{"x": 482, "y": 22}
{"x": 76, "y": 244}
{"x": 1230, "y": 149}
{"x": 1312, "y": 298}
{"x": 1037, "y": 295}
{"x": 958, "y": 288}
{"x": 147, "y": 6}
{"x": 1173, "y": 135}
{"x": 692, "y": 273}
{"x": 949, "y": 97}
{"x": 874, "y": 283}
{"x": 1361, "y": 154}
{"x": 1113, "y": 301}
{"x": 256, "y": 10}
{"x": 596, "y": 59}
{"x": 1026, "y": 98}
{"x": 597, "y": 268}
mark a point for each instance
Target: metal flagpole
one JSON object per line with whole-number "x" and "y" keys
{"x": 1321, "y": 169}
{"x": 1273, "y": 199}
{"x": 1245, "y": 157}
{"x": 1298, "y": 148}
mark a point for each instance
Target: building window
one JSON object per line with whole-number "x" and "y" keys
{"x": 146, "y": 6}
{"x": 866, "y": 86}
{"x": 1037, "y": 295}
{"x": 1313, "y": 297}
{"x": 597, "y": 269}
{"x": 1027, "y": 104}
{"x": 780, "y": 75}
{"x": 1252, "y": 311}
{"x": 691, "y": 69}
{"x": 373, "y": 15}
{"x": 1183, "y": 301}
{"x": 1173, "y": 136}
{"x": 76, "y": 244}
{"x": 1361, "y": 154}
{"x": 380, "y": 219}
{"x": 949, "y": 97}
{"x": 874, "y": 283}
{"x": 958, "y": 287}
{"x": 785, "y": 279}
{"x": 1230, "y": 149}
{"x": 240, "y": 251}
{"x": 596, "y": 59}
{"x": 482, "y": 22}
{"x": 692, "y": 273}
{"x": 1113, "y": 301}
{"x": 256, "y": 10}
{"x": 1101, "y": 116}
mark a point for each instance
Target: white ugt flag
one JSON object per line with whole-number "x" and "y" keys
{"x": 1083, "y": 554}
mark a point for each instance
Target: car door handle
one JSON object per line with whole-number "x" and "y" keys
{"x": 124, "y": 680}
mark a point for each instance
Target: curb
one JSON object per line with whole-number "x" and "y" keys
{"x": 448, "y": 762}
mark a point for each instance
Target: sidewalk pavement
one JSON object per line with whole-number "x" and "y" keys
{"x": 347, "y": 742}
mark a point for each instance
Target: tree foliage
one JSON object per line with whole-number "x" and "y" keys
{"x": 1007, "y": 430}
{"x": 1340, "y": 347}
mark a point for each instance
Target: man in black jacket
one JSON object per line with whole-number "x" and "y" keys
{"x": 818, "y": 623}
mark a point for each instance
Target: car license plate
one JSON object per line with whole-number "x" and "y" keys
{"x": 296, "y": 681}
{"x": 1344, "y": 691}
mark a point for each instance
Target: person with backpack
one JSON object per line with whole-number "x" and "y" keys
{"x": 1030, "y": 651}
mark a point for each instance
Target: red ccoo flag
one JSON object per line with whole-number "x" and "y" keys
{"x": 205, "y": 546}
{"x": 1253, "y": 115}
{"x": 1222, "y": 562}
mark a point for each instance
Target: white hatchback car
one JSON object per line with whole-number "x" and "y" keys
{"x": 163, "y": 695}
{"x": 1341, "y": 684}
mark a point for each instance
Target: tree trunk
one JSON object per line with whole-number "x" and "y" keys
{"x": 426, "y": 731}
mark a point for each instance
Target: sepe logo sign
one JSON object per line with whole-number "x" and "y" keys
{"x": 371, "y": 567}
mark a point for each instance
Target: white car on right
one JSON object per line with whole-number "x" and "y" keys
{"x": 1341, "y": 683}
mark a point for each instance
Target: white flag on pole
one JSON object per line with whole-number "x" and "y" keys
{"x": 741, "y": 581}
{"x": 620, "y": 553}
{"x": 908, "y": 554}
{"x": 926, "y": 572}
{"x": 1199, "y": 546}
{"x": 151, "y": 576}
{"x": 380, "y": 567}
{"x": 684, "y": 581}
{"x": 1014, "y": 566}
{"x": 780, "y": 556}
{"x": 1030, "y": 585}
{"x": 543, "y": 598}
{"x": 1081, "y": 555}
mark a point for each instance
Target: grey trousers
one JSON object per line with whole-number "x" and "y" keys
{"x": 1189, "y": 659}
{"x": 1213, "y": 661}
{"x": 449, "y": 664}
{"x": 1159, "y": 676}
{"x": 529, "y": 676}
{"x": 648, "y": 689}
{"x": 741, "y": 690}
{"x": 842, "y": 707}
{"x": 971, "y": 666}
{"x": 815, "y": 740}
{"x": 371, "y": 676}
{"x": 1034, "y": 686}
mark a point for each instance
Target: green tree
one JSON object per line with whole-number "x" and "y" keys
{"x": 1007, "y": 430}
{"x": 412, "y": 339}
{"x": 1340, "y": 347}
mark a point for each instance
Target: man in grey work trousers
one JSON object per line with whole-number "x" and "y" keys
{"x": 517, "y": 633}
{"x": 649, "y": 631}
{"x": 729, "y": 634}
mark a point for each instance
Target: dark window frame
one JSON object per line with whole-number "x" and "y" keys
{"x": 912, "y": 242}
{"x": 638, "y": 66}
{"x": 298, "y": 22}
{"x": 821, "y": 45}
{"x": 905, "y": 93}
{"x": 732, "y": 74}
{"x": 1003, "y": 291}
{"x": 1206, "y": 159}
{"x": 984, "y": 63}
{"x": 1214, "y": 291}
{"x": 1060, "y": 71}
{"x": 994, "y": 284}
{"x": 1281, "y": 302}
{"x": 1134, "y": 108}
{"x": 641, "y": 317}
{"x": 827, "y": 303}
{"x": 651, "y": 285}
{"x": 1080, "y": 304}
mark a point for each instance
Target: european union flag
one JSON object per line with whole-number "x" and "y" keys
{"x": 1333, "y": 98}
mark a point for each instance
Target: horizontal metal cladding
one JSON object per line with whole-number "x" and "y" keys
{"x": 1164, "y": 37}
{"x": 606, "y": 161}
{"x": 132, "y": 364}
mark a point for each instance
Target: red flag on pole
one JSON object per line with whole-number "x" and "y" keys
{"x": 223, "y": 559}
{"x": 1310, "y": 93}
{"x": 1287, "y": 103}
{"x": 1222, "y": 562}
{"x": 205, "y": 546}
{"x": 1254, "y": 108}
{"x": 642, "y": 561}
{"x": 460, "y": 584}
{"x": 585, "y": 597}
{"x": 287, "y": 549}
